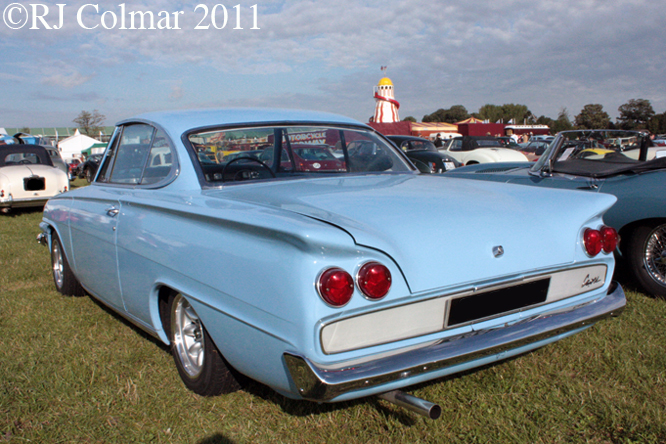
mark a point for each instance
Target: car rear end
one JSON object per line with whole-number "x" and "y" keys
{"x": 408, "y": 301}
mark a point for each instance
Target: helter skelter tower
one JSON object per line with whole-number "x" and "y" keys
{"x": 386, "y": 107}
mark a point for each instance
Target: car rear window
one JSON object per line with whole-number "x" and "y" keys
{"x": 230, "y": 155}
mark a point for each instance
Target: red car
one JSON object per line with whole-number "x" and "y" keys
{"x": 71, "y": 165}
{"x": 308, "y": 157}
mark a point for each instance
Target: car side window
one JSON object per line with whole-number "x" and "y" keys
{"x": 456, "y": 145}
{"x": 107, "y": 159}
{"x": 160, "y": 159}
{"x": 131, "y": 154}
{"x": 139, "y": 154}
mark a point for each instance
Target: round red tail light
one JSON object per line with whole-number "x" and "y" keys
{"x": 592, "y": 241}
{"x": 609, "y": 239}
{"x": 335, "y": 287}
{"x": 374, "y": 280}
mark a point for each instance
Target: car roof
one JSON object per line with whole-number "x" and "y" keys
{"x": 39, "y": 151}
{"x": 404, "y": 137}
{"x": 181, "y": 121}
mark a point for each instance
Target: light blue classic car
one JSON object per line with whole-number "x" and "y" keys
{"x": 325, "y": 285}
{"x": 625, "y": 164}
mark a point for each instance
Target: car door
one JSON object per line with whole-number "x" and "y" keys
{"x": 146, "y": 234}
{"x": 97, "y": 217}
{"x": 93, "y": 224}
{"x": 455, "y": 150}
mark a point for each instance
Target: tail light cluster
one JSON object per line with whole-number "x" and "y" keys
{"x": 336, "y": 286}
{"x": 604, "y": 239}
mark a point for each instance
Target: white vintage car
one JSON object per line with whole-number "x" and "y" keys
{"x": 470, "y": 150}
{"x": 28, "y": 177}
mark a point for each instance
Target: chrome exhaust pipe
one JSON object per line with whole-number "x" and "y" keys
{"x": 410, "y": 402}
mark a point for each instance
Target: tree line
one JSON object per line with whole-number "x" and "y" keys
{"x": 635, "y": 114}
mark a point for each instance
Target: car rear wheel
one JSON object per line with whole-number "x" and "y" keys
{"x": 646, "y": 257}
{"x": 89, "y": 175}
{"x": 63, "y": 277}
{"x": 200, "y": 364}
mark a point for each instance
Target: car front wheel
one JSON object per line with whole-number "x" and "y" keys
{"x": 89, "y": 175}
{"x": 65, "y": 281}
{"x": 200, "y": 364}
{"x": 646, "y": 257}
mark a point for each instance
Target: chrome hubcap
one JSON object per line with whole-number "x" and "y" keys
{"x": 655, "y": 255}
{"x": 56, "y": 260}
{"x": 187, "y": 336}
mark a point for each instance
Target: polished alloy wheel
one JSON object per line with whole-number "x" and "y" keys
{"x": 187, "y": 336}
{"x": 655, "y": 254}
{"x": 57, "y": 262}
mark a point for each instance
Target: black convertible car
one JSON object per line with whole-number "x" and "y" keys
{"x": 424, "y": 155}
{"x": 88, "y": 169}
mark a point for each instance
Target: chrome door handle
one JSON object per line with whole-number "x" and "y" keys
{"x": 112, "y": 212}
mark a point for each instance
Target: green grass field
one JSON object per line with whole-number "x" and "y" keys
{"x": 73, "y": 372}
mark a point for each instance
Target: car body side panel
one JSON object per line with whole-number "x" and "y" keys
{"x": 461, "y": 206}
{"x": 93, "y": 230}
{"x": 640, "y": 196}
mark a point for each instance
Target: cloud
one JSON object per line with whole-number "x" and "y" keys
{"x": 176, "y": 92}
{"x": 314, "y": 54}
{"x": 66, "y": 80}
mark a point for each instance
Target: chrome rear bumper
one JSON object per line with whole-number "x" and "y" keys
{"x": 325, "y": 383}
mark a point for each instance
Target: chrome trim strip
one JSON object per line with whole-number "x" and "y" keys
{"x": 324, "y": 383}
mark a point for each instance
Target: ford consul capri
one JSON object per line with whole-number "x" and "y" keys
{"x": 325, "y": 283}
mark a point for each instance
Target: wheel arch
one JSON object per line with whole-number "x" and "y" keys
{"x": 626, "y": 230}
{"x": 161, "y": 303}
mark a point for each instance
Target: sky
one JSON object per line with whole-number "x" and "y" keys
{"x": 326, "y": 56}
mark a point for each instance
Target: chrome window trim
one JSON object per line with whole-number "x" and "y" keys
{"x": 175, "y": 163}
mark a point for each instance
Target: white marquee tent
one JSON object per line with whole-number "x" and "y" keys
{"x": 73, "y": 146}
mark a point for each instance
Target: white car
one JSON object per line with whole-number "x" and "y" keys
{"x": 28, "y": 177}
{"x": 469, "y": 150}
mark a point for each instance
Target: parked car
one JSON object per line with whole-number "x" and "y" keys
{"x": 72, "y": 165}
{"x": 88, "y": 169}
{"x": 534, "y": 149}
{"x": 424, "y": 155}
{"x": 325, "y": 285}
{"x": 6, "y": 139}
{"x": 28, "y": 177}
{"x": 469, "y": 150}
{"x": 306, "y": 157}
{"x": 57, "y": 159}
{"x": 508, "y": 142}
{"x": 542, "y": 137}
{"x": 620, "y": 163}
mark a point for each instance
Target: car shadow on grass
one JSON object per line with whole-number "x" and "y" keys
{"x": 137, "y": 330}
{"x": 384, "y": 408}
{"x": 17, "y": 212}
{"x": 303, "y": 408}
{"x": 217, "y": 438}
{"x": 292, "y": 407}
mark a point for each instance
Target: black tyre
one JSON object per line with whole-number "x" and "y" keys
{"x": 200, "y": 364}
{"x": 645, "y": 253}
{"x": 63, "y": 277}
{"x": 89, "y": 175}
